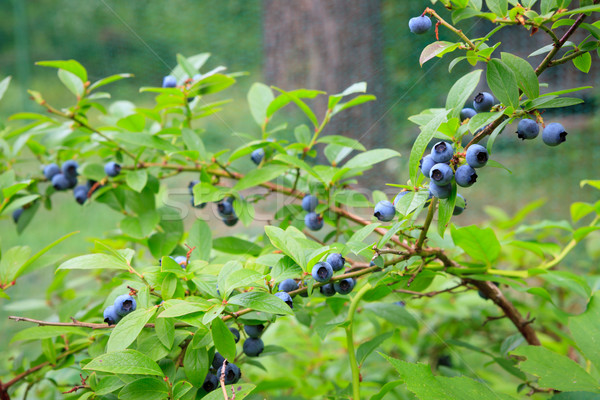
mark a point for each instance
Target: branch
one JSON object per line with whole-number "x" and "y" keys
{"x": 494, "y": 293}
{"x": 567, "y": 58}
{"x": 428, "y": 220}
{"x": 450, "y": 27}
{"x": 545, "y": 64}
{"x": 418, "y": 295}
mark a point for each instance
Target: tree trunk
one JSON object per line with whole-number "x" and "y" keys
{"x": 328, "y": 45}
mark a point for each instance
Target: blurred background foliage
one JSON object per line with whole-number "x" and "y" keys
{"x": 143, "y": 37}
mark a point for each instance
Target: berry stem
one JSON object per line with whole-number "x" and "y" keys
{"x": 427, "y": 224}
{"x": 350, "y": 341}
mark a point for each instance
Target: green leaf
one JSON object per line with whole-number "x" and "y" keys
{"x": 71, "y": 66}
{"x": 411, "y": 201}
{"x": 286, "y": 243}
{"x": 498, "y": 7}
{"x": 584, "y": 329}
{"x": 359, "y": 87}
{"x": 461, "y": 92}
{"x": 234, "y": 245}
{"x": 137, "y": 179}
{"x": 4, "y": 85}
{"x": 445, "y": 210}
{"x": 223, "y": 339}
{"x": 368, "y": 158}
{"x": 368, "y": 347}
{"x": 240, "y": 278}
{"x": 427, "y": 133}
{"x": 186, "y": 66}
{"x": 128, "y": 362}
{"x": 141, "y": 139}
{"x": 241, "y": 391}
{"x": 11, "y": 262}
{"x": 420, "y": 380}
{"x": 177, "y": 308}
{"x": 195, "y": 365}
{"x": 480, "y": 244}
{"x": 128, "y": 329}
{"x": 145, "y": 389}
{"x": 46, "y": 332}
{"x": 555, "y": 371}
{"x": 580, "y": 210}
{"x": 363, "y": 98}
{"x": 260, "y": 175}
{"x": 95, "y": 261}
{"x": 284, "y": 99}
{"x": 580, "y": 10}
{"x": 302, "y": 105}
{"x": 341, "y": 141}
{"x": 165, "y": 331}
{"x": 583, "y": 62}
{"x": 503, "y": 83}
{"x": 259, "y": 98}
{"x": 109, "y": 79}
{"x": 524, "y": 73}
{"x": 200, "y": 237}
{"x": 71, "y": 81}
{"x": 393, "y": 313}
{"x": 261, "y": 301}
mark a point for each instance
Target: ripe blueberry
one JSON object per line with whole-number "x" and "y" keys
{"x": 445, "y": 361}
{"x": 441, "y": 192}
{"x": 425, "y": 164}
{"x": 288, "y": 285}
{"x": 420, "y": 24}
{"x": 169, "y": 81}
{"x": 441, "y": 174}
{"x": 254, "y": 330}
{"x": 465, "y": 176}
{"x": 80, "y": 193}
{"x": 442, "y": 152}
{"x": 344, "y": 286}
{"x": 191, "y": 186}
{"x": 112, "y": 169}
{"x": 218, "y": 360}
{"x": 236, "y": 334}
{"x": 60, "y": 182}
{"x": 384, "y": 211}
{"x": 211, "y": 382}
{"x": 231, "y": 220}
{"x": 327, "y": 290}
{"x": 322, "y": 271}
{"x": 225, "y": 207}
{"x": 313, "y": 221}
{"x": 460, "y": 205}
{"x": 400, "y": 303}
{"x": 554, "y": 134}
{"x": 527, "y": 129}
{"x": 286, "y": 298}
{"x": 477, "y": 156}
{"x": 50, "y": 170}
{"x": 17, "y": 214}
{"x": 110, "y": 315}
{"x": 483, "y": 102}
{"x": 253, "y": 347}
{"x": 336, "y": 261}
{"x": 124, "y": 304}
{"x": 309, "y": 203}
{"x": 257, "y": 155}
{"x": 232, "y": 373}
{"x": 69, "y": 168}
{"x": 467, "y": 113}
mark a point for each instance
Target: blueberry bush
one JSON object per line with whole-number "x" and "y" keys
{"x": 337, "y": 293}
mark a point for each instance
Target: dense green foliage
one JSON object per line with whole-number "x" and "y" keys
{"x": 497, "y": 309}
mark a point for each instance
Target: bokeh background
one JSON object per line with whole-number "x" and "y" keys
{"x": 316, "y": 44}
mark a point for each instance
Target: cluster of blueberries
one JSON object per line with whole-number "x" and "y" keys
{"x": 443, "y": 164}
{"x": 552, "y": 135}
{"x": 65, "y": 177}
{"x": 123, "y": 305}
{"x": 323, "y": 272}
{"x": 224, "y": 207}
